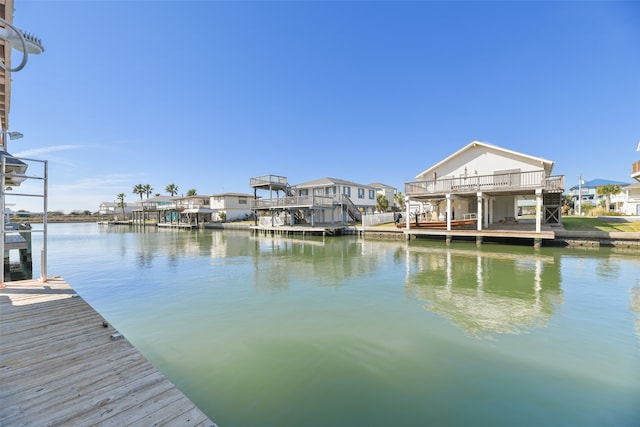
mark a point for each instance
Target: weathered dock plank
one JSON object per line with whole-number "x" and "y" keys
{"x": 60, "y": 365}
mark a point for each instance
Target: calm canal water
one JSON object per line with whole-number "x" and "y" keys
{"x": 274, "y": 331}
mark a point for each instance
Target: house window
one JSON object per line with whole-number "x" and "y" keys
{"x": 330, "y": 190}
{"x": 360, "y": 193}
{"x": 372, "y": 194}
{"x": 242, "y": 200}
{"x": 346, "y": 190}
{"x": 304, "y": 191}
{"x": 317, "y": 191}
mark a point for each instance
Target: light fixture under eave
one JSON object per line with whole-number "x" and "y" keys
{"x": 19, "y": 40}
{"x": 32, "y": 43}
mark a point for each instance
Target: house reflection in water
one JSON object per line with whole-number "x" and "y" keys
{"x": 635, "y": 305}
{"x": 485, "y": 291}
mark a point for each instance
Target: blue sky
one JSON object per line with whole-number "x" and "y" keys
{"x": 207, "y": 94}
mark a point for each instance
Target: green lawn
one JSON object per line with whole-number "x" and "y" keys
{"x": 577, "y": 223}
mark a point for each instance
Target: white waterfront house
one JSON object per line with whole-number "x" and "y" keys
{"x": 389, "y": 192}
{"x": 487, "y": 182}
{"x": 627, "y": 202}
{"x": 364, "y": 197}
{"x": 231, "y": 206}
{"x": 114, "y": 209}
{"x": 325, "y": 201}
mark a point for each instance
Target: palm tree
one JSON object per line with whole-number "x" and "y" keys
{"x": 138, "y": 189}
{"x": 399, "y": 199}
{"x": 607, "y": 191}
{"x": 121, "y": 203}
{"x": 147, "y": 189}
{"x": 171, "y": 189}
{"x": 191, "y": 192}
{"x": 382, "y": 203}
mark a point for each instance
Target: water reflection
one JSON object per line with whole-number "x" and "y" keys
{"x": 326, "y": 262}
{"x": 485, "y": 291}
{"x": 635, "y": 305}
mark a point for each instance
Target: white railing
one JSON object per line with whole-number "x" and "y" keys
{"x": 475, "y": 183}
{"x": 267, "y": 221}
{"x": 266, "y": 180}
{"x": 378, "y": 218}
{"x": 292, "y": 201}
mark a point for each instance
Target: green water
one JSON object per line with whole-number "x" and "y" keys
{"x": 264, "y": 331}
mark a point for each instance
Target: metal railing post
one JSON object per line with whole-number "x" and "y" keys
{"x": 2, "y": 219}
{"x": 43, "y": 255}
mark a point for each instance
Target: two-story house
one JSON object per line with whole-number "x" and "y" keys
{"x": 231, "y": 206}
{"x": 486, "y": 182}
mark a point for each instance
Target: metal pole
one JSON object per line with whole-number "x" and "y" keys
{"x": 2, "y": 219}
{"x": 580, "y": 194}
{"x": 43, "y": 257}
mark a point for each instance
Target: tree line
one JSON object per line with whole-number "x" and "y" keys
{"x": 147, "y": 189}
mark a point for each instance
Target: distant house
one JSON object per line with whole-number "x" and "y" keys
{"x": 486, "y": 182}
{"x": 364, "y": 197}
{"x": 114, "y": 209}
{"x": 325, "y": 201}
{"x": 589, "y": 189}
{"x": 233, "y": 206}
{"x": 627, "y": 202}
{"x": 388, "y": 192}
{"x": 153, "y": 209}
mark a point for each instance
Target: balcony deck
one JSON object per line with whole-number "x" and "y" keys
{"x": 294, "y": 202}
{"x": 269, "y": 182}
{"x": 508, "y": 183}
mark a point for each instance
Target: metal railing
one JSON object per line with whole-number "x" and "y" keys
{"x": 3, "y": 219}
{"x": 291, "y": 201}
{"x": 475, "y": 183}
{"x": 267, "y": 180}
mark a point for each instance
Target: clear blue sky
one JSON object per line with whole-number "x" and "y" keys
{"x": 207, "y": 94}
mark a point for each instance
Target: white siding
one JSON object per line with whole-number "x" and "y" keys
{"x": 483, "y": 161}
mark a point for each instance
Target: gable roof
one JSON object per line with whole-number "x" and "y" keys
{"x": 381, "y": 186}
{"x": 548, "y": 164}
{"x": 325, "y": 182}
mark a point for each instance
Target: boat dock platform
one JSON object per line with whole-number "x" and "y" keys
{"x": 181, "y": 225}
{"x": 318, "y": 230}
{"x": 523, "y": 231}
{"x": 61, "y": 363}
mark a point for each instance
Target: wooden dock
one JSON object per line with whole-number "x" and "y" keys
{"x": 318, "y": 230}
{"x": 520, "y": 231}
{"x": 61, "y": 363}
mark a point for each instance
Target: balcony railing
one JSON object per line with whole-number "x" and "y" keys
{"x": 267, "y": 180}
{"x": 292, "y": 201}
{"x": 498, "y": 182}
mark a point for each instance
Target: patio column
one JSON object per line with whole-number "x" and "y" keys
{"x": 538, "y": 209}
{"x": 490, "y": 209}
{"x": 480, "y": 212}
{"x": 448, "y": 211}
{"x": 406, "y": 214}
